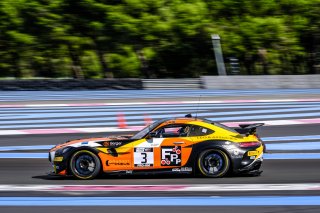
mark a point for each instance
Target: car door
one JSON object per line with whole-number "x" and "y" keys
{"x": 172, "y": 148}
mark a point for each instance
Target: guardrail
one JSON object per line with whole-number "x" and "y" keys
{"x": 182, "y": 83}
{"x": 262, "y": 82}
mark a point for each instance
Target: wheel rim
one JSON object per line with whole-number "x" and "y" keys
{"x": 85, "y": 165}
{"x": 213, "y": 163}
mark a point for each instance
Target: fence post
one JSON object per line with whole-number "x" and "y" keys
{"x": 218, "y": 54}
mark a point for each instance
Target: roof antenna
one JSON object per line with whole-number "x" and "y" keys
{"x": 198, "y": 107}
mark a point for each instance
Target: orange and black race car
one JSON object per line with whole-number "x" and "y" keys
{"x": 175, "y": 145}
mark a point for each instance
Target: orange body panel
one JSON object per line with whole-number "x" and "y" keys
{"x": 125, "y": 158}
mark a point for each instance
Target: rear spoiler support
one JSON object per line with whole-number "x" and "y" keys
{"x": 249, "y": 129}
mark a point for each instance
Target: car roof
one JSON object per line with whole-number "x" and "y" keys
{"x": 186, "y": 119}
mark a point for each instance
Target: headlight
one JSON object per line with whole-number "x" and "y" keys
{"x": 62, "y": 151}
{"x": 66, "y": 149}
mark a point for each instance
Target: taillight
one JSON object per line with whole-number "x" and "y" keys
{"x": 249, "y": 144}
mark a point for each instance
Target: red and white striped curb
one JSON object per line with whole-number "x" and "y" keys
{"x": 157, "y": 102}
{"x": 137, "y": 128}
{"x": 171, "y": 188}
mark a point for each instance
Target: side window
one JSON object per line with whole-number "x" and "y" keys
{"x": 174, "y": 130}
{"x": 199, "y": 131}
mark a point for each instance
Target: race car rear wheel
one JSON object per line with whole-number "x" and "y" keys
{"x": 213, "y": 163}
{"x": 85, "y": 165}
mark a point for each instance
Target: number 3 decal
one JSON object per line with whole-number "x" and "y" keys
{"x": 143, "y": 157}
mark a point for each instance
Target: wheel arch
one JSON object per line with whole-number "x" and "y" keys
{"x": 205, "y": 145}
{"x": 77, "y": 149}
{"x": 215, "y": 148}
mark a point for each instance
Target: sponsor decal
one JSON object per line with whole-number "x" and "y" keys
{"x": 186, "y": 169}
{"x": 253, "y": 153}
{"x": 252, "y": 157}
{"x": 115, "y": 143}
{"x": 171, "y": 156}
{"x": 143, "y": 157}
{"x": 58, "y": 159}
{"x": 85, "y": 143}
{"x": 182, "y": 169}
{"x": 118, "y": 163}
{"x": 153, "y": 142}
{"x": 129, "y": 171}
{"x": 138, "y": 149}
{"x": 112, "y": 144}
{"x": 214, "y": 137}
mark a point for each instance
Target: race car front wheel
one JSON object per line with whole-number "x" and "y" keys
{"x": 213, "y": 163}
{"x": 85, "y": 165}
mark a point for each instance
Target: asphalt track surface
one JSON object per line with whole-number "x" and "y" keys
{"x": 33, "y": 171}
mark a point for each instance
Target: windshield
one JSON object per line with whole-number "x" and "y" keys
{"x": 146, "y": 130}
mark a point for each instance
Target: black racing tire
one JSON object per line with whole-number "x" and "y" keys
{"x": 213, "y": 163}
{"x": 84, "y": 165}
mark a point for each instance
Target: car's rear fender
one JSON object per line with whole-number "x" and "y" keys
{"x": 210, "y": 144}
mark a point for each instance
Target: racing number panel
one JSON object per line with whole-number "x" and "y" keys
{"x": 160, "y": 153}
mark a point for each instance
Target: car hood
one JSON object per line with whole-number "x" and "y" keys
{"x": 91, "y": 141}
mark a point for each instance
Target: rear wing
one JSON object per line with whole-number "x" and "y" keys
{"x": 248, "y": 129}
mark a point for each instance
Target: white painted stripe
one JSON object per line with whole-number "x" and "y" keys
{"x": 137, "y": 128}
{"x": 158, "y": 103}
{"x": 46, "y": 105}
{"x": 12, "y": 132}
{"x": 103, "y": 129}
{"x": 255, "y": 187}
{"x": 280, "y": 122}
{"x": 172, "y": 188}
{"x": 292, "y": 138}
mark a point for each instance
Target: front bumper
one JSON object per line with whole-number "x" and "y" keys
{"x": 58, "y": 163}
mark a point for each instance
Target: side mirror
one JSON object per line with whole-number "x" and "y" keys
{"x": 152, "y": 134}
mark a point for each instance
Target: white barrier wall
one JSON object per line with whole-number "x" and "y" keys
{"x": 179, "y": 83}
{"x": 261, "y": 82}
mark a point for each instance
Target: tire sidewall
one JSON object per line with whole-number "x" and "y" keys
{"x": 226, "y": 162}
{"x": 73, "y": 169}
